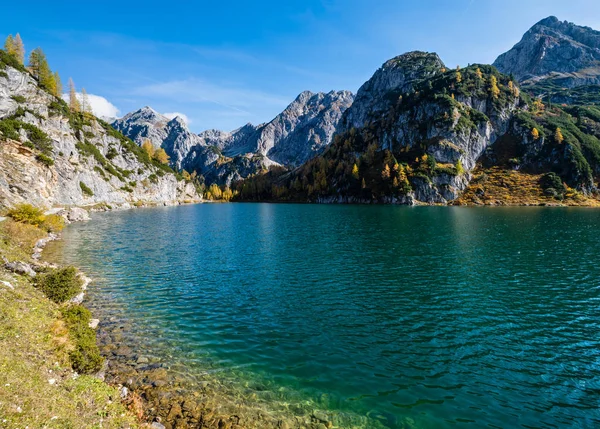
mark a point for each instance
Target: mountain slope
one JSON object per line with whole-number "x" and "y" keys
{"x": 423, "y": 142}
{"x": 172, "y": 135}
{"x": 301, "y": 131}
{"x": 50, "y": 156}
{"x": 557, "y": 61}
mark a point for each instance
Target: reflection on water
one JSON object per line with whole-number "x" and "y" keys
{"x": 439, "y": 316}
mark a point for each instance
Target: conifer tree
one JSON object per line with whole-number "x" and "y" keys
{"x": 535, "y": 134}
{"x": 355, "y": 171}
{"x": 558, "y": 136}
{"x": 9, "y": 45}
{"x": 460, "y": 170}
{"x": 161, "y": 156}
{"x": 73, "y": 101}
{"x": 148, "y": 147}
{"x": 34, "y": 63}
{"x": 85, "y": 102}
{"x": 386, "y": 173}
{"x": 19, "y": 48}
{"x": 494, "y": 90}
{"x": 58, "y": 85}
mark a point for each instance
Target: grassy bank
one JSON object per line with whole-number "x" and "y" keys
{"x": 41, "y": 341}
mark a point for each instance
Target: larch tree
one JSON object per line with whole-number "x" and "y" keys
{"x": 355, "y": 171}
{"x": 558, "y": 136}
{"x": 494, "y": 90}
{"x": 535, "y": 134}
{"x": 9, "y": 45}
{"x": 58, "y": 85}
{"x": 386, "y": 173}
{"x": 73, "y": 101}
{"x": 161, "y": 156}
{"x": 148, "y": 148}
{"x": 86, "y": 108}
{"x": 19, "y": 49}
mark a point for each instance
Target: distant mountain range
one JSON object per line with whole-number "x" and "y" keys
{"x": 524, "y": 131}
{"x": 557, "y": 61}
{"x": 297, "y": 134}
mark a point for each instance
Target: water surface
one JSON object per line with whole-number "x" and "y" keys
{"x": 437, "y": 316}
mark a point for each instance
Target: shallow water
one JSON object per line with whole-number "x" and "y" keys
{"x": 441, "y": 316}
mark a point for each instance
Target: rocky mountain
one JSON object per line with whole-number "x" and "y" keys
{"x": 566, "y": 54}
{"x": 419, "y": 133}
{"x": 50, "y": 156}
{"x": 301, "y": 131}
{"x": 396, "y": 76}
{"x": 173, "y": 135}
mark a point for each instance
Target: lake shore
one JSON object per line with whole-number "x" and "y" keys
{"x": 164, "y": 391}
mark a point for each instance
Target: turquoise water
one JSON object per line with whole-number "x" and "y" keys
{"x": 448, "y": 317}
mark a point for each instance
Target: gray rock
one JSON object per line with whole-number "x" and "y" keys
{"x": 157, "y": 425}
{"x": 78, "y": 299}
{"x": 7, "y": 284}
{"x": 94, "y": 323}
{"x": 20, "y": 268}
{"x": 400, "y": 74}
{"x": 560, "y": 51}
{"x": 75, "y": 214}
{"x": 121, "y": 178}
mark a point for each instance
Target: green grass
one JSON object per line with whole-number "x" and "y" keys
{"x": 36, "y": 345}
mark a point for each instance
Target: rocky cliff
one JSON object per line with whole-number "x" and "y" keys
{"x": 173, "y": 135}
{"x": 554, "y": 50}
{"x": 301, "y": 131}
{"x": 417, "y": 132}
{"x": 52, "y": 157}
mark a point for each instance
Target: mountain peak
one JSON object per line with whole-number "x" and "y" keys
{"x": 551, "y": 21}
{"x": 553, "y": 47}
{"x": 399, "y": 74}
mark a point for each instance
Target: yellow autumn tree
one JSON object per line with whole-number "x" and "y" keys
{"x": 161, "y": 156}
{"x": 478, "y": 73}
{"x": 386, "y": 172}
{"x": 460, "y": 170}
{"x": 494, "y": 90}
{"x": 355, "y": 171}
{"x": 558, "y": 136}
{"x": 148, "y": 147}
{"x": 74, "y": 105}
{"x": 535, "y": 134}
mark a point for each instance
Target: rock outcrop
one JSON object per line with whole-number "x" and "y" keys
{"x": 561, "y": 51}
{"x": 173, "y": 135}
{"x": 52, "y": 157}
{"x": 396, "y": 76}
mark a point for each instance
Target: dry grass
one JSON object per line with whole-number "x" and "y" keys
{"x": 17, "y": 239}
{"x": 498, "y": 186}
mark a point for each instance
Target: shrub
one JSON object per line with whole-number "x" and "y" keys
{"x": 59, "y": 285}
{"x": 85, "y": 358}
{"x": 87, "y": 191}
{"x": 26, "y": 213}
{"x": 44, "y": 159}
{"x": 19, "y": 98}
{"x": 552, "y": 183}
{"x": 112, "y": 153}
{"x": 53, "y": 223}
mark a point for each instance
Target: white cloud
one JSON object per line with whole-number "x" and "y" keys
{"x": 183, "y": 116}
{"x": 100, "y": 106}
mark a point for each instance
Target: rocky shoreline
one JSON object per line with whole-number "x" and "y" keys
{"x": 165, "y": 393}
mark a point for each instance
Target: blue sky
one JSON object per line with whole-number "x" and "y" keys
{"x": 226, "y": 63}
